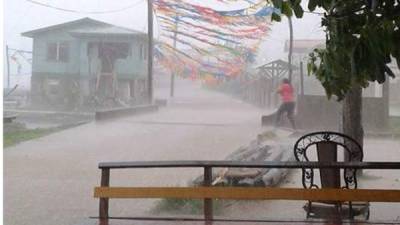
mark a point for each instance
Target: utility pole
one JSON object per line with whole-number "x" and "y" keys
{"x": 172, "y": 89}
{"x": 290, "y": 47}
{"x": 150, "y": 49}
{"x": 8, "y": 67}
{"x": 385, "y": 99}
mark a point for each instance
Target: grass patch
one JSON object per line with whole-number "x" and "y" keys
{"x": 186, "y": 206}
{"x": 14, "y": 137}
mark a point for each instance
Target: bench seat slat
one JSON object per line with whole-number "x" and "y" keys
{"x": 250, "y": 193}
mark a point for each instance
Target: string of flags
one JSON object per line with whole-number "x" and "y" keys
{"x": 200, "y": 42}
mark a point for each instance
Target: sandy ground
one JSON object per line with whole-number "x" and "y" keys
{"x": 49, "y": 181}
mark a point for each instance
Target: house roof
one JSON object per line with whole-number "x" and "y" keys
{"x": 279, "y": 64}
{"x": 106, "y": 30}
{"x": 99, "y": 28}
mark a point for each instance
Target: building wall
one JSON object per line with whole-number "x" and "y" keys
{"x": 74, "y": 75}
{"x": 55, "y": 91}
{"x": 130, "y": 68}
{"x": 395, "y": 90}
{"x": 134, "y": 63}
{"x": 42, "y": 66}
{"x": 78, "y": 64}
{"x": 318, "y": 112}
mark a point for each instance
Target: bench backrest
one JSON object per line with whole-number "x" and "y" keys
{"x": 327, "y": 143}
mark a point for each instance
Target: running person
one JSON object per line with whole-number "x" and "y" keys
{"x": 286, "y": 92}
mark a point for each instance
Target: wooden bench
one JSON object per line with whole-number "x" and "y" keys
{"x": 208, "y": 193}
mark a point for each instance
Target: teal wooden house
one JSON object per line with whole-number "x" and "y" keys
{"x": 86, "y": 61}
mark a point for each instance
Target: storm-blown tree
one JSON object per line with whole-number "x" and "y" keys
{"x": 362, "y": 37}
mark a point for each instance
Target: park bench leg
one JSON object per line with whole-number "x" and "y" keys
{"x": 208, "y": 204}
{"x": 105, "y": 182}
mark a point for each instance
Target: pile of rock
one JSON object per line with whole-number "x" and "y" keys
{"x": 264, "y": 148}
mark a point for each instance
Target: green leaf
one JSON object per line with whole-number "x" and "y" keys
{"x": 309, "y": 65}
{"x": 276, "y": 17}
{"x": 359, "y": 46}
{"x": 286, "y": 9}
{"x": 298, "y": 10}
{"x": 388, "y": 71}
{"x": 312, "y": 4}
{"x": 277, "y": 3}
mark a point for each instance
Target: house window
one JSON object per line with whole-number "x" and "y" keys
{"x": 52, "y": 51}
{"x": 58, "y": 51}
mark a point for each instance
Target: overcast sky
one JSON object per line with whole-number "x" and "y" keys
{"x": 21, "y": 16}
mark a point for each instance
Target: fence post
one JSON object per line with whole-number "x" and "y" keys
{"x": 105, "y": 182}
{"x": 208, "y": 204}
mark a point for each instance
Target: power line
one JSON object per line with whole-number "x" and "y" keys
{"x": 85, "y": 12}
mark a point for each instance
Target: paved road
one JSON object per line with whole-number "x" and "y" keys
{"x": 49, "y": 181}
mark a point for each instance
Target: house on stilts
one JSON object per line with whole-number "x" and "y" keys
{"x": 84, "y": 62}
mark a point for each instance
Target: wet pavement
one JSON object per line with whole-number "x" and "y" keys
{"x": 50, "y": 180}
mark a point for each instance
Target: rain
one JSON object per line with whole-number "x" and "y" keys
{"x": 216, "y": 81}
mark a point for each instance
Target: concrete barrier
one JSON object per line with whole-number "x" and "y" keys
{"x": 9, "y": 118}
{"x": 317, "y": 112}
{"x": 121, "y": 112}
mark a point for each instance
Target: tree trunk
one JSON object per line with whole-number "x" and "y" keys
{"x": 352, "y": 115}
{"x": 385, "y": 98}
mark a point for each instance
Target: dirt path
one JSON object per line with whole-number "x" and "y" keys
{"x": 50, "y": 180}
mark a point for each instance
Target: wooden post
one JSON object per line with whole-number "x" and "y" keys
{"x": 301, "y": 79}
{"x": 8, "y": 67}
{"x": 274, "y": 72}
{"x": 105, "y": 182}
{"x": 269, "y": 93}
{"x": 208, "y": 206}
{"x": 150, "y": 49}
